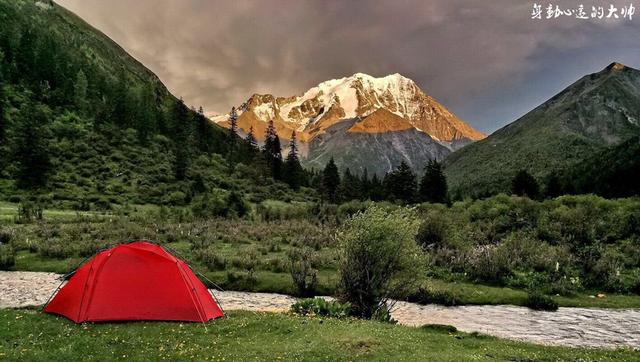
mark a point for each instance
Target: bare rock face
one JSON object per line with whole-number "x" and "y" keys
{"x": 378, "y": 106}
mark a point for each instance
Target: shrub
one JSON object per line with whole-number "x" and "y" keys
{"x": 425, "y": 295}
{"x": 209, "y": 205}
{"x": 302, "y": 272}
{"x": 378, "y": 257}
{"x": 211, "y": 259}
{"x": 270, "y": 210}
{"x": 29, "y": 212}
{"x": 55, "y": 248}
{"x": 432, "y": 232}
{"x": 321, "y": 307}
{"x": 237, "y": 205}
{"x": 539, "y": 301}
{"x": 240, "y": 281}
{"x": 7, "y": 257}
{"x": 443, "y": 328}
{"x": 276, "y": 265}
{"x": 489, "y": 263}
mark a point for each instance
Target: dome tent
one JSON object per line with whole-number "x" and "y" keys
{"x": 134, "y": 282}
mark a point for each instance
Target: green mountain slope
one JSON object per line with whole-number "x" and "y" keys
{"x": 83, "y": 123}
{"x": 598, "y": 111}
{"x": 615, "y": 172}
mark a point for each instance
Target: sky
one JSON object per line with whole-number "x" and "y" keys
{"x": 488, "y": 62}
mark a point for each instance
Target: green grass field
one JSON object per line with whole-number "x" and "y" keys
{"x": 231, "y": 241}
{"x": 29, "y": 335}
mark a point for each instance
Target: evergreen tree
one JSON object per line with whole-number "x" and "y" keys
{"x": 233, "y": 121}
{"x": 145, "y": 115}
{"x": 330, "y": 182}
{"x": 433, "y": 185}
{"x": 400, "y": 185}
{"x": 365, "y": 185}
{"x": 376, "y": 190}
{"x": 80, "y": 92}
{"x": 120, "y": 101}
{"x": 293, "y": 172}
{"x": 204, "y": 130}
{"x": 31, "y": 148}
{"x": 350, "y": 186}
{"x": 524, "y": 184}
{"x": 554, "y": 187}
{"x": 180, "y": 132}
{"x": 273, "y": 152}
{"x": 3, "y": 120}
{"x": 251, "y": 139}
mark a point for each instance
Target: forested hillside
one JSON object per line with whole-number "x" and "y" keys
{"x": 578, "y": 125}
{"x": 84, "y": 124}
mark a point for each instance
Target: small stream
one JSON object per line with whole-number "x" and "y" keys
{"x": 574, "y": 327}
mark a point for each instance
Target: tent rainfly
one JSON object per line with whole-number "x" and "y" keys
{"x": 134, "y": 282}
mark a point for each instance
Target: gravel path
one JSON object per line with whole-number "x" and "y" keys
{"x": 576, "y": 327}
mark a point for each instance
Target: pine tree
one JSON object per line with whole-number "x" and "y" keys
{"x": 145, "y": 114}
{"x": 204, "y": 131}
{"x": 365, "y": 185}
{"x": 80, "y": 92}
{"x": 31, "y": 148}
{"x": 251, "y": 139}
{"x": 554, "y": 186}
{"x": 376, "y": 190}
{"x": 330, "y": 182}
{"x": 433, "y": 185}
{"x": 180, "y": 132}
{"x": 3, "y": 120}
{"x": 273, "y": 152}
{"x": 400, "y": 185}
{"x": 350, "y": 186}
{"x": 233, "y": 121}
{"x": 293, "y": 172}
{"x": 524, "y": 184}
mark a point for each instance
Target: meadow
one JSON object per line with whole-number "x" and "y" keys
{"x": 30, "y": 335}
{"x": 493, "y": 251}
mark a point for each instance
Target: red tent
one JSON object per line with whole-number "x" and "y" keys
{"x": 132, "y": 282}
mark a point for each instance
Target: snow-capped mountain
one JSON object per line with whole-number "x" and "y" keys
{"x": 375, "y": 108}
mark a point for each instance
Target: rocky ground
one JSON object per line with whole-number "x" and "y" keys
{"x": 578, "y": 327}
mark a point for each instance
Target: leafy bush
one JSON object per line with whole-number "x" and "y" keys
{"x": 7, "y": 257}
{"x": 270, "y": 210}
{"x": 302, "y": 272}
{"x": 425, "y": 295}
{"x": 29, "y": 212}
{"x": 433, "y": 231}
{"x": 5, "y": 236}
{"x": 378, "y": 258}
{"x": 210, "y": 205}
{"x": 321, "y": 307}
{"x": 445, "y": 328}
{"x": 240, "y": 281}
{"x": 538, "y": 301}
{"x": 55, "y": 248}
{"x": 211, "y": 259}
{"x": 489, "y": 263}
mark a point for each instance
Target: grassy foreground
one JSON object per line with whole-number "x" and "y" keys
{"x": 33, "y": 336}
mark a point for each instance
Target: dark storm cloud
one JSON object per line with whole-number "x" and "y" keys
{"x": 485, "y": 60}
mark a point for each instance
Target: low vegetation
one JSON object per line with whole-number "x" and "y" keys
{"x": 491, "y": 251}
{"x": 28, "y": 335}
{"x": 378, "y": 259}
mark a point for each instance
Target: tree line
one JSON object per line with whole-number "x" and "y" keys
{"x": 400, "y": 185}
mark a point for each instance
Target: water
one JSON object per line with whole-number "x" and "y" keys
{"x": 574, "y": 327}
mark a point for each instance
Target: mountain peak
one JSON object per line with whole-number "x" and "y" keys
{"x": 615, "y": 66}
{"x": 356, "y": 97}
